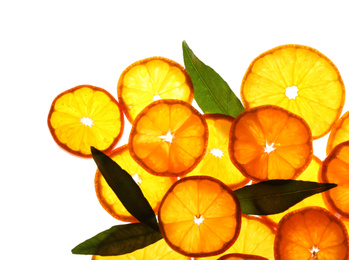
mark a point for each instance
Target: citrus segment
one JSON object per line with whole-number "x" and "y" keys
{"x": 311, "y": 233}
{"x": 241, "y": 257}
{"x": 216, "y": 162}
{"x": 200, "y": 216}
{"x": 85, "y": 116}
{"x": 168, "y": 138}
{"x": 151, "y": 79}
{"x": 339, "y": 133}
{"x": 269, "y": 142}
{"x": 153, "y": 187}
{"x": 299, "y": 79}
{"x": 256, "y": 238}
{"x": 157, "y": 251}
{"x": 335, "y": 169}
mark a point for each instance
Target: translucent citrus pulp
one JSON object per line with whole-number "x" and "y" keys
{"x": 339, "y": 133}
{"x": 85, "y": 116}
{"x": 168, "y": 138}
{"x": 311, "y": 233}
{"x": 153, "y": 187}
{"x": 157, "y": 251}
{"x": 299, "y": 79}
{"x": 151, "y": 79}
{"x": 241, "y": 257}
{"x": 200, "y": 216}
{"x": 216, "y": 162}
{"x": 335, "y": 169}
{"x": 269, "y": 142}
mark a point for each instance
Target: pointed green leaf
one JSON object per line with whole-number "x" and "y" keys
{"x": 276, "y": 196}
{"x": 126, "y": 189}
{"x": 211, "y": 92}
{"x": 119, "y": 240}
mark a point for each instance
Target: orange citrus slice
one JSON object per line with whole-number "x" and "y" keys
{"x": 311, "y": 233}
{"x": 200, "y": 216}
{"x": 153, "y": 187}
{"x": 241, "y": 257}
{"x": 216, "y": 162}
{"x": 256, "y": 238}
{"x": 168, "y": 138}
{"x": 311, "y": 173}
{"x": 335, "y": 169}
{"x": 269, "y": 142}
{"x": 151, "y": 79}
{"x": 85, "y": 116}
{"x": 299, "y": 79}
{"x": 157, "y": 251}
{"x": 339, "y": 133}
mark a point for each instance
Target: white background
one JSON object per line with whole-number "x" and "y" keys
{"x": 48, "y": 202}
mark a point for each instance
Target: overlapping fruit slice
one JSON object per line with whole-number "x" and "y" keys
{"x": 200, "y": 216}
{"x": 168, "y": 138}
{"x": 256, "y": 238}
{"x": 85, "y": 116}
{"x": 339, "y": 133}
{"x": 216, "y": 162}
{"x": 335, "y": 169}
{"x": 157, "y": 251}
{"x": 152, "y": 79}
{"x": 299, "y": 79}
{"x": 311, "y": 233}
{"x": 269, "y": 142}
{"x": 241, "y": 257}
{"x": 153, "y": 187}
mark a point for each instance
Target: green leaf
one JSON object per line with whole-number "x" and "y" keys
{"x": 126, "y": 189}
{"x": 119, "y": 240}
{"x": 276, "y": 196}
{"x": 211, "y": 92}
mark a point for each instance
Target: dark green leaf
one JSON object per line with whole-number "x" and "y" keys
{"x": 276, "y": 196}
{"x": 126, "y": 189}
{"x": 211, "y": 92}
{"x": 119, "y": 240}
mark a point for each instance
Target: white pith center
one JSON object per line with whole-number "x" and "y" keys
{"x": 291, "y": 92}
{"x": 198, "y": 220}
{"x": 168, "y": 137}
{"x": 314, "y": 252}
{"x": 216, "y": 152}
{"x": 156, "y": 97}
{"x": 86, "y": 121}
{"x": 136, "y": 178}
{"x": 269, "y": 148}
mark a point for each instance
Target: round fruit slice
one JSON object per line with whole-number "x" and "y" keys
{"x": 168, "y": 138}
{"x": 153, "y": 187}
{"x": 256, "y": 238}
{"x": 152, "y": 79}
{"x": 85, "y": 116}
{"x": 157, "y": 251}
{"x": 339, "y": 133}
{"x": 269, "y": 142}
{"x": 200, "y": 216}
{"x": 335, "y": 169}
{"x": 311, "y": 233}
{"x": 299, "y": 79}
{"x": 241, "y": 257}
{"x": 216, "y": 162}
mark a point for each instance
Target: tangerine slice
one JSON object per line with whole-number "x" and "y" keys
{"x": 85, "y": 116}
{"x": 168, "y": 138}
{"x": 311, "y": 233}
{"x": 153, "y": 187}
{"x": 256, "y": 238}
{"x": 299, "y": 79}
{"x": 200, "y": 216}
{"x": 151, "y": 79}
{"x": 335, "y": 169}
{"x": 339, "y": 133}
{"x": 269, "y": 142}
{"x": 216, "y": 162}
{"x": 157, "y": 251}
{"x": 241, "y": 257}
